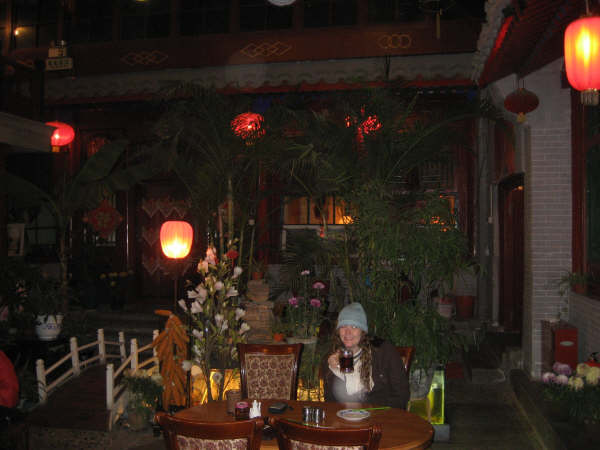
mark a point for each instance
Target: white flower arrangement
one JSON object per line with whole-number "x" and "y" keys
{"x": 216, "y": 319}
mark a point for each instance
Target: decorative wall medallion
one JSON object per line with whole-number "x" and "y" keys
{"x": 104, "y": 219}
{"x": 394, "y": 41}
{"x": 276, "y": 48}
{"x": 144, "y": 58}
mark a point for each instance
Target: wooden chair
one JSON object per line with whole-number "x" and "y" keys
{"x": 184, "y": 434}
{"x": 269, "y": 371}
{"x": 296, "y": 436}
{"x": 407, "y": 354}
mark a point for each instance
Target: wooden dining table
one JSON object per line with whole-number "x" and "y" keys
{"x": 400, "y": 429}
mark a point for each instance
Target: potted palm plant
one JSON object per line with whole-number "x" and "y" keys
{"x": 44, "y": 303}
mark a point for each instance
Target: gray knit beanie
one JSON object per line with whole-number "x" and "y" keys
{"x": 353, "y": 315}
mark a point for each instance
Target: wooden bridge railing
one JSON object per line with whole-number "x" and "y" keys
{"x": 116, "y": 401}
{"x": 77, "y": 364}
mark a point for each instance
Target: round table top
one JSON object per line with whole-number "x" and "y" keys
{"x": 400, "y": 429}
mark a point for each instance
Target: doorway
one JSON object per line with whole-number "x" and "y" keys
{"x": 511, "y": 227}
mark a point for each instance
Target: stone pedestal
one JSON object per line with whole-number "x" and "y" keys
{"x": 259, "y": 315}
{"x": 258, "y": 290}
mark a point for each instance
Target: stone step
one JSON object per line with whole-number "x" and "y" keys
{"x": 133, "y": 324}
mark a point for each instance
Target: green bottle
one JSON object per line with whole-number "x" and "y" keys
{"x": 436, "y": 396}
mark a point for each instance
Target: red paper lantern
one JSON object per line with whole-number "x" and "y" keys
{"x": 582, "y": 57}
{"x": 521, "y": 102}
{"x": 63, "y": 135}
{"x": 176, "y": 238}
{"x": 371, "y": 124}
{"x": 248, "y": 126}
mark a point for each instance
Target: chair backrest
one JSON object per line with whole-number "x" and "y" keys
{"x": 269, "y": 371}
{"x": 407, "y": 354}
{"x": 185, "y": 434}
{"x": 295, "y": 436}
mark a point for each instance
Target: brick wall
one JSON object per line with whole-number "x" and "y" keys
{"x": 547, "y": 221}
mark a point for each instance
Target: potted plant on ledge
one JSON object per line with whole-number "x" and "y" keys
{"x": 304, "y": 311}
{"x": 44, "y": 303}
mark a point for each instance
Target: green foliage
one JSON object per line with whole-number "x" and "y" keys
{"x": 304, "y": 312}
{"x": 580, "y": 395}
{"x": 145, "y": 389}
{"x": 305, "y": 250}
{"x": 27, "y": 293}
{"x": 310, "y": 367}
{"x": 104, "y": 173}
{"x": 406, "y": 244}
{"x": 420, "y": 326}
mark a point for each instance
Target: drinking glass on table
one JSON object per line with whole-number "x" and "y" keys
{"x": 346, "y": 361}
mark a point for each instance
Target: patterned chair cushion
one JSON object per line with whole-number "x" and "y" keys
{"x": 269, "y": 376}
{"x": 296, "y": 445}
{"x": 192, "y": 443}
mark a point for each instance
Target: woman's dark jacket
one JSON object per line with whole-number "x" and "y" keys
{"x": 390, "y": 381}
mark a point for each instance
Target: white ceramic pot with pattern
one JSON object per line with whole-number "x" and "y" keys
{"x": 48, "y": 327}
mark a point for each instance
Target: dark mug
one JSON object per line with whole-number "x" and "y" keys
{"x": 346, "y": 361}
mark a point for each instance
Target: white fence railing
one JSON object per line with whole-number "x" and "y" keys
{"x": 116, "y": 400}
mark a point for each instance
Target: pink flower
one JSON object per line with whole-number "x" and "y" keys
{"x": 305, "y": 272}
{"x": 548, "y": 377}
{"x": 318, "y": 285}
{"x": 561, "y": 369}
{"x": 562, "y": 379}
{"x": 211, "y": 256}
{"x": 293, "y": 301}
{"x": 315, "y": 302}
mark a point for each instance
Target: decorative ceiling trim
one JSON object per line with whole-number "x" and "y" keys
{"x": 263, "y": 77}
{"x": 144, "y": 58}
{"x": 487, "y": 36}
{"x": 265, "y": 49}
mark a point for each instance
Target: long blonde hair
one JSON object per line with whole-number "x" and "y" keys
{"x": 365, "y": 357}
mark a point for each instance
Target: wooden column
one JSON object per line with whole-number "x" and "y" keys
{"x": 3, "y": 197}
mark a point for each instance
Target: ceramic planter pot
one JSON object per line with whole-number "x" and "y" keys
{"x": 464, "y": 306}
{"x": 48, "y": 328}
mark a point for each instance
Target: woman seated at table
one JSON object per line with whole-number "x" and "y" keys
{"x": 378, "y": 376}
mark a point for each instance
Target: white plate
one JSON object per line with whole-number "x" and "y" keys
{"x": 353, "y": 415}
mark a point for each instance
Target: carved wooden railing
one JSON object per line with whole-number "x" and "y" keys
{"x": 116, "y": 398}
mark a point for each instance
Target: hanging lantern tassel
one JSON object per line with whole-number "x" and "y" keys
{"x": 521, "y": 102}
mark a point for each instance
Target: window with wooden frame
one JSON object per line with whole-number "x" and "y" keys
{"x": 89, "y": 21}
{"x": 203, "y": 16}
{"x": 145, "y": 20}
{"x": 327, "y": 13}
{"x": 258, "y": 15}
{"x": 34, "y": 22}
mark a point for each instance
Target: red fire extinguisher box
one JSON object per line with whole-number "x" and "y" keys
{"x": 559, "y": 344}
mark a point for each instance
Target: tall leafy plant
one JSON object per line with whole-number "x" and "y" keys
{"x": 103, "y": 173}
{"x": 219, "y": 168}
